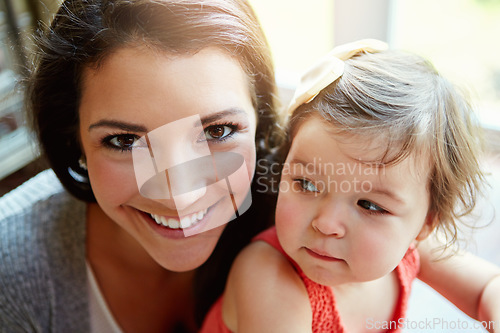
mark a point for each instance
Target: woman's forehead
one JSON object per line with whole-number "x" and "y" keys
{"x": 136, "y": 80}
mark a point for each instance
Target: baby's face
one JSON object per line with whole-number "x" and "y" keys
{"x": 342, "y": 220}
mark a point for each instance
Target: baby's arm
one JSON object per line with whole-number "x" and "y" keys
{"x": 469, "y": 282}
{"x": 265, "y": 294}
{"x": 489, "y": 306}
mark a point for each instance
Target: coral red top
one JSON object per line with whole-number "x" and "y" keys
{"x": 325, "y": 315}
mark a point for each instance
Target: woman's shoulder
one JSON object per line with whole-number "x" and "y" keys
{"x": 39, "y": 215}
{"x": 39, "y": 188}
{"x": 42, "y": 252}
{"x": 42, "y": 197}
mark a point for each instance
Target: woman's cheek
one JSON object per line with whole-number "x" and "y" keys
{"x": 113, "y": 183}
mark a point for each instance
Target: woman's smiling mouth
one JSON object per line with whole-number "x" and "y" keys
{"x": 172, "y": 226}
{"x": 180, "y": 223}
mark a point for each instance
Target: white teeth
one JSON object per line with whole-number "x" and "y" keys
{"x": 173, "y": 223}
{"x": 164, "y": 221}
{"x": 185, "y": 222}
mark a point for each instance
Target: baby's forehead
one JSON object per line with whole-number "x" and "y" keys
{"x": 370, "y": 148}
{"x": 380, "y": 152}
{"x": 359, "y": 144}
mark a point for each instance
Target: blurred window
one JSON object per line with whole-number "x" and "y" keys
{"x": 459, "y": 36}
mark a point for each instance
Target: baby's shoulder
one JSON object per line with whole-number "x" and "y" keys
{"x": 262, "y": 259}
{"x": 263, "y": 289}
{"x": 261, "y": 271}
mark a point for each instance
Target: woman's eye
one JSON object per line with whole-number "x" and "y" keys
{"x": 371, "y": 207}
{"x": 219, "y": 132}
{"x": 122, "y": 142}
{"x": 305, "y": 185}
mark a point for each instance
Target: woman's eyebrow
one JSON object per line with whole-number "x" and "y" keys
{"x": 119, "y": 125}
{"x": 139, "y": 128}
{"x": 216, "y": 116}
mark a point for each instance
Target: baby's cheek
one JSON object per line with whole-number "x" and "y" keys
{"x": 290, "y": 223}
{"x": 284, "y": 212}
{"x": 285, "y": 227}
{"x": 375, "y": 257}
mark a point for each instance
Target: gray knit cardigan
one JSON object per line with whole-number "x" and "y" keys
{"x": 43, "y": 281}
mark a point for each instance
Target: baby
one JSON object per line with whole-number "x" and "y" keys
{"x": 383, "y": 151}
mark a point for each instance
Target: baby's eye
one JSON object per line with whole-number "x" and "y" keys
{"x": 123, "y": 142}
{"x": 305, "y": 185}
{"x": 219, "y": 132}
{"x": 371, "y": 207}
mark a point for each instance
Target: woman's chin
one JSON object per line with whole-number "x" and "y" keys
{"x": 192, "y": 256}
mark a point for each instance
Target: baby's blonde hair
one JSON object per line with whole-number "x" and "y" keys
{"x": 403, "y": 99}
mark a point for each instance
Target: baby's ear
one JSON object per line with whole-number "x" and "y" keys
{"x": 431, "y": 221}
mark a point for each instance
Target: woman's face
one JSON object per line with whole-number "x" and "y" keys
{"x": 160, "y": 133}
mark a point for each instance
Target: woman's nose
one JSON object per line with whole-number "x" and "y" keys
{"x": 173, "y": 166}
{"x": 188, "y": 181}
{"x": 331, "y": 220}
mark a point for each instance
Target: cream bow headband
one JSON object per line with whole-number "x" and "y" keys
{"x": 328, "y": 69}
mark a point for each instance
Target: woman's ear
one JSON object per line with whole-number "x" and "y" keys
{"x": 431, "y": 221}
